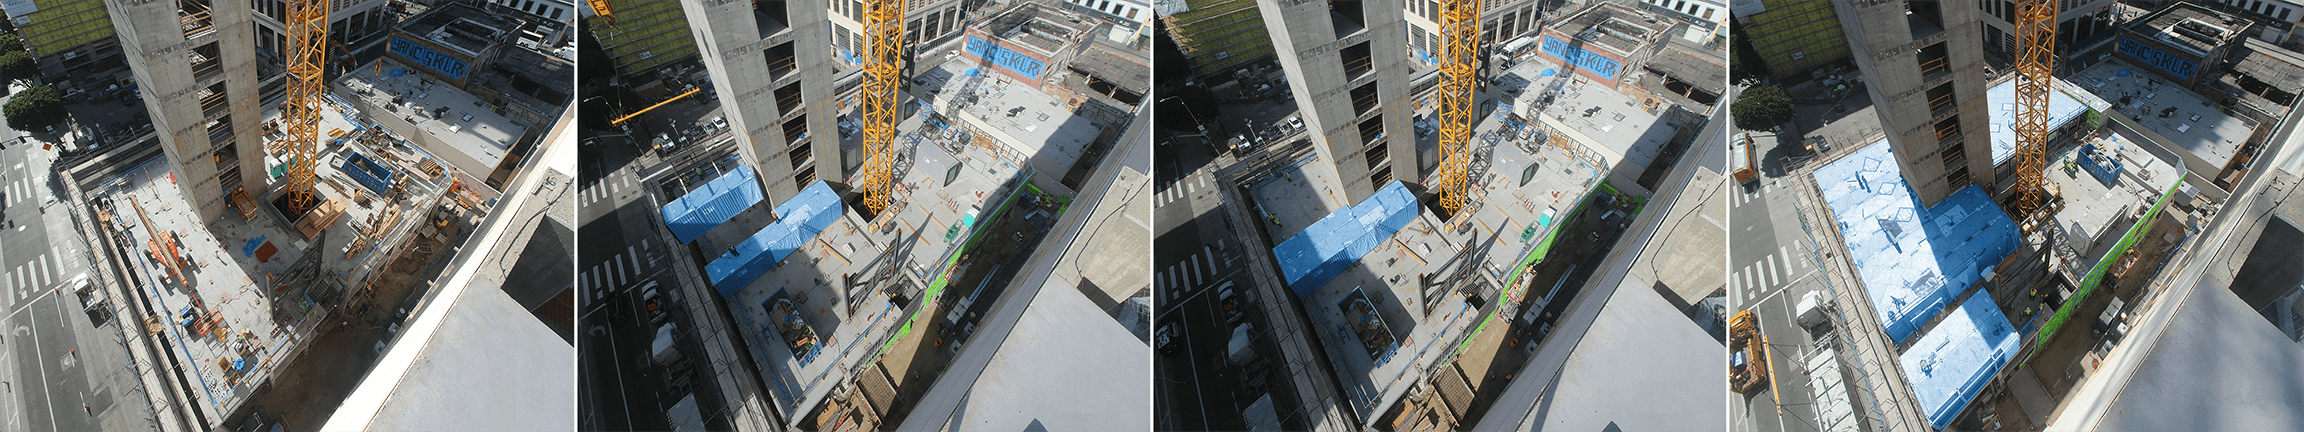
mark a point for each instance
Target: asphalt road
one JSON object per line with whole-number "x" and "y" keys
{"x": 1770, "y": 269}
{"x": 621, "y": 387}
{"x": 60, "y": 368}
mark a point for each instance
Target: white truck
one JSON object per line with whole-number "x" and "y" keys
{"x": 662, "y": 350}
{"x": 1811, "y": 309}
{"x": 1238, "y": 351}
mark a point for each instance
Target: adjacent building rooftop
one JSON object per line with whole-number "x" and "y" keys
{"x": 463, "y": 28}
{"x": 1033, "y": 128}
{"x": 463, "y": 129}
{"x": 2193, "y": 27}
{"x": 1611, "y": 26}
{"x": 2185, "y": 119}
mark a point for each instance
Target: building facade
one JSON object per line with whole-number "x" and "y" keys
{"x": 1792, "y": 37}
{"x": 1923, "y": 65}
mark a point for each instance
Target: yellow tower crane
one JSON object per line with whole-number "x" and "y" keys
{"x": 1459, "y": 78}
{"x": 2035, "y": 66}
{"x": 628, "y": 117}
{"x": 607, "y": 12}
{"x": 300, "y": 112}
{"x": 883, "y": 67}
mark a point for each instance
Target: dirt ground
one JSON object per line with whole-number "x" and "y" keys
{"x": 2063, "y": 362}
{"x": 302, "y": 394}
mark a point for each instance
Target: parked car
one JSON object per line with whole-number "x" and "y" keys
{"x": 1166, "y": 338}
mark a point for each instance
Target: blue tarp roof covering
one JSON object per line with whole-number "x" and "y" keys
{"x": 2062, "y": 108}
{"x": 711, "y": 204}
{"x": 1326, "y": 248}
{"x": 1913, "y": 261}
{"x": 800, "y": 218}
{"x": 1956, "y": 359}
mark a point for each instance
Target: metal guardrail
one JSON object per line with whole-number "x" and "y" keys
{"x": 1862, "y": 340}
{"x": 1317, "y": 396}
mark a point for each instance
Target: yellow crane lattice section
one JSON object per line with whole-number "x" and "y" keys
{"x": 606, "y": 11}
{"x": 883, "y": 67}
{"x": 2035, "y": 66}
{"x": 1459, "y": 78}
{"x": 300, "y": 112}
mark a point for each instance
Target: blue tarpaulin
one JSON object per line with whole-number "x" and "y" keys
{"x": 712, "y": 204}
{"x": 1326, "y": 248}
{"x": 375, "y": 177}
{"x": 799, "y": 219}
{"x": 1913, "y": 260}
{"x": 1954, "y": 362}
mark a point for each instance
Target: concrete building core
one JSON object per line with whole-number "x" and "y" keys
{"x": 199, "y": 66}
{"x": 1923, "y": 66}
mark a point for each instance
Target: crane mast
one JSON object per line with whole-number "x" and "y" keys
{"x": 300, "y": 112}
{"x": 1459, "y": 68}
{"x": 2035, "y": 66}
{"x": 883, "y": 67}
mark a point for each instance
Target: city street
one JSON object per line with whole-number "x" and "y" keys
{"x": 1771, "y": 260}
{"x": 622, "y": 389}
{"x": 62, "y": 370}
{"x": 1189, "y": 260}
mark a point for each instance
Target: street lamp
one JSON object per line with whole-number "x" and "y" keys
{"x": 1195, "y": 115}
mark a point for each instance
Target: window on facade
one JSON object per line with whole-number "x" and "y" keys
{"x": 1356, "y": 60}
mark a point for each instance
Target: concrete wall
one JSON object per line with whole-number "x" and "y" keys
{"x": 1881, "y": 41}
{"x": 1307, "y": 47}
{"x": 729, "y": 43}
{"x": 155, "y": 46}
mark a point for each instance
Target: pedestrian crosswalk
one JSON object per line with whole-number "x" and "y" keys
{"x": 21, "y": 190}
{"x": 1179, "y": 279}
{"x": 623, "y": 270}
{"x": 1183, "y": 188}
{"x": 29, "y": 278}
{"x": 611, "y": 186}
{"x": 1768, "y": 273}
{"x": 1751, "y": 194}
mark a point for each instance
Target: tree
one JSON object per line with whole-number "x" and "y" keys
{"x": 17, "y": 66}
{"x": 10, "y": 43}
{"x": 34, "y": 109}
{"x": 1761, "y": 108}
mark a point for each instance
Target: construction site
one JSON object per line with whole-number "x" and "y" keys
{"x": 268, "y": 261}
{"x": 1492, "y": 209}
{"x": 847, "y": 299}
{"x": 1992, "y": 304}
